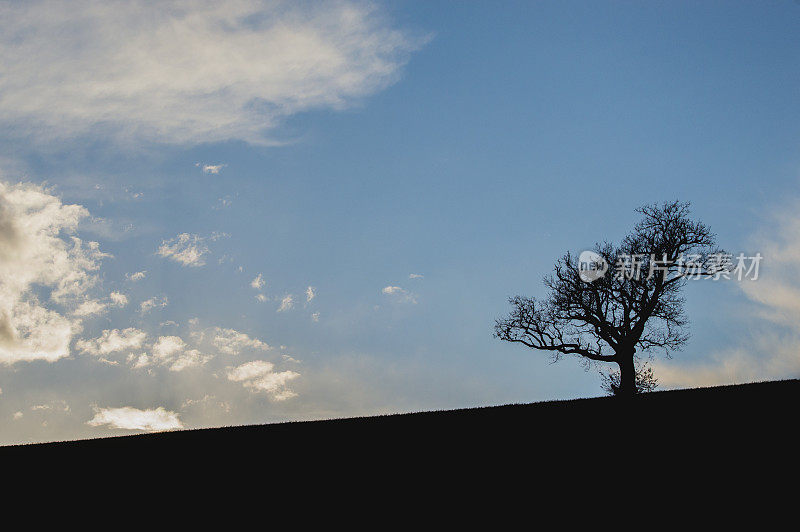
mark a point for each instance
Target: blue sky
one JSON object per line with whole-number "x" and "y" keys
{"x": 469, "y": 144}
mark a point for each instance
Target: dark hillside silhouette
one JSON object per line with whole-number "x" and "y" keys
{"x": 657, "y": 425}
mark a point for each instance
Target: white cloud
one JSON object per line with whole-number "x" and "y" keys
{"x": 262, "y": 298}
{"x": 172, "y": 352}
{"x": 315, "y": 317}
{"x": 232, "y": 342}
{"x": 258, "y": 282}
{"x": 90, "y": 307}
{"x": 130, "y": 418}
{"x": 38, "y": 251}
{"x": 118, "y": 299}
{"x": 310, "y": 294}
{"x": 168, "y": 346}
{"x": 189, "y": 358}
{"x": 140, "y": 361}
{"x": 286, "y": 303}
{"x": 392, "y": 290}
{"x": 94, "y": 307}
{"x": 152, "y": 303}
{"x": 188, "y": 71}
{"x": 415, "y": 276}
{"x": 400, "y": 294}
{"x": 186, "y": 249}
{"x": 113, "y": 341}
{"x": 213, "y": 168}
{"x": 259, "y": 376}
{"x": 137, "y": 276}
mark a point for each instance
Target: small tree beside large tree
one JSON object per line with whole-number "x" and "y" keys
{"x": 633, "y": 306}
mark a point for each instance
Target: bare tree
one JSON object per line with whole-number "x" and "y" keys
{"x": 626, "y": 299}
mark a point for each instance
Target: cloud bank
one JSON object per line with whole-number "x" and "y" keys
{"x": 46, "y": 274}
{"x": 188, "y": 71}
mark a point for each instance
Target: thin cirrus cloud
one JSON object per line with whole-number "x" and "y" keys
{"x": 189, "y": 72}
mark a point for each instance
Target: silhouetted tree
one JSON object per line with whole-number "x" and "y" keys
{"x": 636, "y": 305}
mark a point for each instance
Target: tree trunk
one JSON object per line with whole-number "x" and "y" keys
{"x": 627, "y": 375}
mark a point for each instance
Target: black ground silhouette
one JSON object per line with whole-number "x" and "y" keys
{"x": 703, "y": 420}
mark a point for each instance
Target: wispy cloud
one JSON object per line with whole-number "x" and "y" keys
{"x": 770, "y": 351}
{"x": 94, "y": 307}
{"x": 415, "y": 276}
{"x": 258, "y": 282}
{"x": 213, "y": 168}
{"x": 187, "y": 72}
{"x": 57, "y": 405}
{"x": 310, "y": 294}
{"x": 286, "y": 303}
{"x": 153, "y": 303}
{"x": 186, "y": 249}
{"x": 233, "y": 342}
{"x": 222, "y": 203}
{"x": 400, "y": 294}
{"x": 136, "y": 276}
